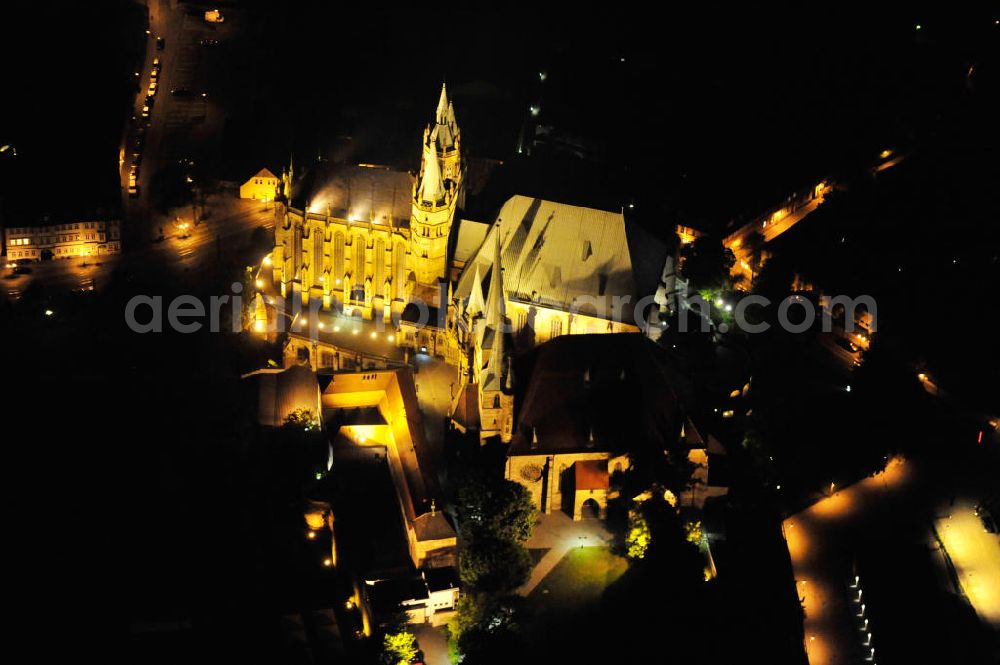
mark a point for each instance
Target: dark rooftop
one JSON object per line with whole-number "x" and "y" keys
{"x": 593, "y": 392}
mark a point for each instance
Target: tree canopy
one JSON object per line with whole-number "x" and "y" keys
{"x": 707, "y": 263}
{"x": 495, "y": 566}
{"x": 399, "y": 648}
{"x": 496, "y": 510}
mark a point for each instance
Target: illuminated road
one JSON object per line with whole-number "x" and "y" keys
{"x": 975, "y": 554}
{"x": 178, "y": 128}
{"x": 770, "y": 230}
{"x": 230, "y": 222}
{"x": 815, "y": 537}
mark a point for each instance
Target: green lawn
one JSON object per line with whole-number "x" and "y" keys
{"x": 578, "y": 580}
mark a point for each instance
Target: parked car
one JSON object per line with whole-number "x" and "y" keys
{"x": 152, "y": 89}
{"x": 160, "y": 43}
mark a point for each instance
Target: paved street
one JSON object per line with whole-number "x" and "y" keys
{"x": 737, "y": 240}
{"x": 433, "y": 643}
{"x": 827, "y": 538}
{"x": 435, "y": 380}
{"x": 975, "y": 554}
{"x": 230, "y": 222}
{"x": 814, "y": 538}
{"x": 180, "y": 127}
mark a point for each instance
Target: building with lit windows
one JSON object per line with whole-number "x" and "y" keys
{"x": 63, "y": 241}
{"x": 584, "y": 406}
{"x": 370, "y": 242}
{"x": 264, "y": 186}
{"x": 370, "y": 238}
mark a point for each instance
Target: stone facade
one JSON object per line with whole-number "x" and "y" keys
{"x": 370, "y": 260}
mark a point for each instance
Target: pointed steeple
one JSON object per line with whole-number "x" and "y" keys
{"x": 287, "y": 180}
{"x": 444, "y": 131}
{"x": 442, "y": 109}
{"x": 496, "y": 319}
{"x": 431, "y": 188}
{"x": 476, "y": 303}
{"x": 497, "y": 362}
{"x": 496, "y": 308}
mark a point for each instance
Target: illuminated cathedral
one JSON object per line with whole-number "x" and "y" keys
{"x": 380, "y": 244}
{"x": 373, "y": 238}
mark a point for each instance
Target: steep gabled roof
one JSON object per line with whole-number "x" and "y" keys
{"x": 562, "y": 256}
{"x": 593, "y": 393}
{"x": 265, "y": 173}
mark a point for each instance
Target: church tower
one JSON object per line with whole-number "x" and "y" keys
{"x": 436, "y": 194}
{"x": 496, "y": 398}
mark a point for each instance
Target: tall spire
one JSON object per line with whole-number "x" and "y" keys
{"x": 495, "y": 306}
{"x": 495, "y": 319}
{"x": 442, "y": 108}
{"x": 497, "y": 362}
{"x": 431, "y": 187}
{"x": 476, "y": 303}
{"x": 445, "y": 130}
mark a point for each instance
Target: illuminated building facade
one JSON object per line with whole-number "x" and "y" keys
{"x": 554, "y": 270}
{"x": 63, "y": 241}
{"x": 585, "y": 404}
{"x": 264, "y": 186}
{"x": 379, "y": 409}
{"x": 373, "y": 238}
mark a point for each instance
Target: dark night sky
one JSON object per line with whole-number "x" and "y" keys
{"x": 713, "y": 113}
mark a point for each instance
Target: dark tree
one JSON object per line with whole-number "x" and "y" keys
{"x": 707, "y": 263}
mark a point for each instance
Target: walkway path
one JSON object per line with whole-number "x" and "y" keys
{"x": 558, "y": 533}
